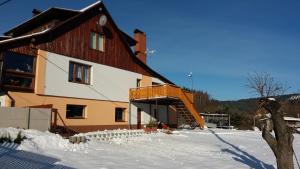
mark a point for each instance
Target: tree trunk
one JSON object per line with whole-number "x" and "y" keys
{"x": 282, "y": 144}
{"x": 284, "y": 137}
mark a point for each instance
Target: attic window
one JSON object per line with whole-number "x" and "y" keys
{"x": 97, "y": 41}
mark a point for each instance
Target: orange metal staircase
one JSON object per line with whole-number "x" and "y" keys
{"x": 183, "y": 101}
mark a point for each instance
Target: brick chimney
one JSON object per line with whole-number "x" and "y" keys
{"x": 140, "y": 47}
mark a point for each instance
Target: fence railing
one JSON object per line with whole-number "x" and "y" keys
{"x": 158, "y": 91}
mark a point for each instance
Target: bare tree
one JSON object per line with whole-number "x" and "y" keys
{"x": 265, "y": 85}
{"x": 282, "y": 144}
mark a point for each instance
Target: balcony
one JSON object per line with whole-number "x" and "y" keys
{"x": 170, "y": 95}
{"x": 161, "y": 92}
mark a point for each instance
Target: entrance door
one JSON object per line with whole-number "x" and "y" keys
{"x": 139, "y": 118}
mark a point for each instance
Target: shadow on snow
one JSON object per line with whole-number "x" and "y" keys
{"x": 10, "y": 157}
{"x": 243, "y": 156}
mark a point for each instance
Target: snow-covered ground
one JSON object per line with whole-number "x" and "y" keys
{"x": 220, "y": 149}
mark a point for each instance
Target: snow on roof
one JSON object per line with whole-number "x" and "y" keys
{"x": 25, "y": 36}
{"x": 2, "y": 36}
{"x": 285, "y": 118}
{"x": 295, "y": 97}
{"x": 291, "y": 119}
{"x": 66, "y": 9}
{"x": 272, "y": 99}
{"x": 90, "y": 6}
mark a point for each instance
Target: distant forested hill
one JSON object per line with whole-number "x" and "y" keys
{"x": 250, "y": 105}
{"x": 242, "y": 111}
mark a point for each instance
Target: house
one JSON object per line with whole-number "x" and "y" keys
{"x": 83, "y": 65}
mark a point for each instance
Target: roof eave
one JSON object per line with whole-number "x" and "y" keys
{"x": 34, "y": 18}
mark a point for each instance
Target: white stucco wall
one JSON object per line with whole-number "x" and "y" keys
{"x": 145, "y": 117}
{"x": 147, "y": 114}
{"x": 107, "y": 83}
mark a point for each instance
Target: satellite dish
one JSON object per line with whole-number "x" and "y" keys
{"x": 102, "y": 20}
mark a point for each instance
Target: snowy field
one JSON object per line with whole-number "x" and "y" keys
{"x": 220, "y": 149}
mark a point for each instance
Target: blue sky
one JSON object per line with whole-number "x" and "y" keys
{"x": 219, "y": 41}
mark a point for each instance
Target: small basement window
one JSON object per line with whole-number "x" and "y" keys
{"x": 119, "y": 114}
{"x": 75, "y": 111}
{"x": 97, "y": 41}
{"x": 79, "y": 73}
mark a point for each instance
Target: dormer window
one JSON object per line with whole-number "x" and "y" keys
{"x": 97, "y": 41}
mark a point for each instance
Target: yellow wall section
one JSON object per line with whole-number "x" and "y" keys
{"x": 97, "y": 113}
{"x": 40, "y": 72}
{"x": 146, "y": 81}
{"x": 7, "y": 101}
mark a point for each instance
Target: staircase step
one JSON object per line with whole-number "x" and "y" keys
{"x": 185, "y": 114}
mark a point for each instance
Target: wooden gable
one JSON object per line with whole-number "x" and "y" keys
{"x": 75, "y": 43}
{"x": 71, "y": 38}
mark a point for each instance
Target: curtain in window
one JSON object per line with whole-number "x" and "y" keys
{"x": 93, "y": 40}
{"x": 86, "y": 74}
{"x": 100, "y": 42}
{"x": 71, "y": 71}
{"x": 78, "y": 73}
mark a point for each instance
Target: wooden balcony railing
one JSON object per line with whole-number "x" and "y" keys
{"x": 167, "y": 91}
{"x": 158, "y": 91}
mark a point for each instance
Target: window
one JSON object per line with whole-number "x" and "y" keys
{"x": 138, "y": 83}
{"x": 119, "y": 114}
{"x": 19, "y": 63}
{"x": 79, "y": 73}
{"x": 97, "y": 41}
{"x": 75, "y": 111}
{"x": 13, "y": 80}
{"x": 18, "y": 71}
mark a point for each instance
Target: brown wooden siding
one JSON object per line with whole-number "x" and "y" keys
{"x": 75, "y": 43}
{"x": 27, "y": 50}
